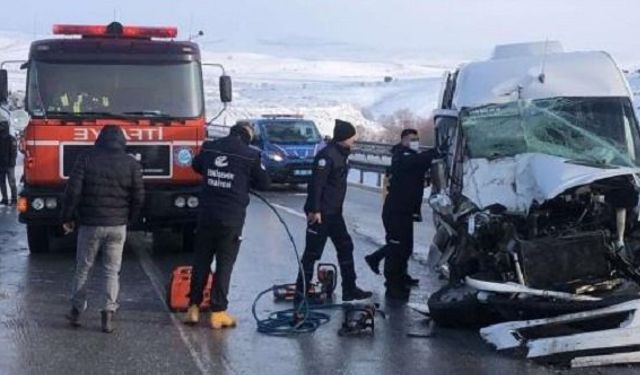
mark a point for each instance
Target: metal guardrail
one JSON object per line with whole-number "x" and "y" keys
{"x": 372, "y": 149}
{"x": 371, "y": 157}
{"x": 366, "y": 157}
{"x": 366, "y": 167}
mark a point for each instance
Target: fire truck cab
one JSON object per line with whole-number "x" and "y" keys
{"x": 138, "y": 78}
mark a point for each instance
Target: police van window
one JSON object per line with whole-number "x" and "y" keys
{"x": 172, "y": 89}
{"x": 291, "y": 132}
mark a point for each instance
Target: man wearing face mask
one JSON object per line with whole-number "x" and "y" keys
{"x": 406, "y": 189}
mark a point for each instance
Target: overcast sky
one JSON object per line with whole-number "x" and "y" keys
{"x": 426, "y": 29}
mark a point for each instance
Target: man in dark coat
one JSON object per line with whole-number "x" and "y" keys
{"x": 229, "y": 168}
{"x": 406, "y": 189}
{"x": 325, "y": 198}
{"x": 104, "y": 193}
{"x": 8, "y": 155}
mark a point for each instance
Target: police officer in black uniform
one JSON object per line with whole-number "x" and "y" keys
{"x": 406, "y": 189}
{"x": 229, "y": 168}
{"x": 325, "y": 197}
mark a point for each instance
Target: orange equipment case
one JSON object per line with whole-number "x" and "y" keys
{"x": 179, "y": 286}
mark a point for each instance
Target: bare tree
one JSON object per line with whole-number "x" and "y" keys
{"x": 392, "y": 126}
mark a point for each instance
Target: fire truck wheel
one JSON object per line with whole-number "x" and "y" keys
{"x": 38, "y": 239}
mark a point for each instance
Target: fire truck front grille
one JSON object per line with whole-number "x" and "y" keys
{"x": 156, "y": 159}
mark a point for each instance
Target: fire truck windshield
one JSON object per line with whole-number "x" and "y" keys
{"x": 171, "y": 90}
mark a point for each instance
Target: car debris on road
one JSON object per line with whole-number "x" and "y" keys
{"x": 536, "y": 199}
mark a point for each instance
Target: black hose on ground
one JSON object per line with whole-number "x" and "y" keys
{"x": 305, "y": 318}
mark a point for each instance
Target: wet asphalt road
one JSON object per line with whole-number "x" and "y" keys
{"x": 35, "y": 338}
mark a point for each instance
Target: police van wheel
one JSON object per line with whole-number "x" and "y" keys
{"x": 38, "y": 239}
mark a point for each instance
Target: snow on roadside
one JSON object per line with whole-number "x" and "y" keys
{"x": 322, "y": 90}
{"x": 251, "y": 66}
{"x": 325, "y": 90}
{"x": 323, "y": 116}
{"x": 367, "y": 223}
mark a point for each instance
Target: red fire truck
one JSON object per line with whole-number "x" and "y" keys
{"x": 139, "y": 78}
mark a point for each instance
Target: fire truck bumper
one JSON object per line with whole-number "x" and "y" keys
{"x": 164, "y": 207}
{"x": 169, "y": 207}
{"x": 40, "y": 206}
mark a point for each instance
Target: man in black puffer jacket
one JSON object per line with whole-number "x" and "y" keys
{"x": 104, "y": 193}
{"x": 8, "y": 155}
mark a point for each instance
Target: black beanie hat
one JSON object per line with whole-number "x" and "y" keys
{"x": 408, "y": 131}
{"x": 242, "y": 130}
{"x": 343, "y": 131}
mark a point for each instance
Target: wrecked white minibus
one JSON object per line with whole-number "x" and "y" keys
{"x": 536, "y": 194}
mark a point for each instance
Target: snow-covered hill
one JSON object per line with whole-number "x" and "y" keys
{"x": 14, "y": 46}
{"x": 322, "y": 89}
{"x": 325, "y": 90}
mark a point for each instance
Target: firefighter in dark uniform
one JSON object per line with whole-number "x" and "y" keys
{"x": 325, "y": 197}
{"x": 406, "y": 189}
{"x": 229, "y": 168}
{"x": 79, "y": 103}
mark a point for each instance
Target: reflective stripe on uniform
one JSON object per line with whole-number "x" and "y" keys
{"x": 77, "y": 105}
{"x": 64, "y": 100}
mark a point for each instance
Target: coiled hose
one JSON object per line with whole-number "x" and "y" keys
{"x": 305, "y": 318}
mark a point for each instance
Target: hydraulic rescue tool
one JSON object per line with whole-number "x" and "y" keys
{"x": 360, "y": 319}
{"x": 305, "y": 317}
{"x": 317, "y": 293}
{"x": 179, "y": 287}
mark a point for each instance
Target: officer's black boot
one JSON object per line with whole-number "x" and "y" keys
{"x": 410, "y": 281}
{"x": 107, "y": 321}
{"x": 397, "y": 292}
{"x": 373, "y": 261}
{"x": 308, "y": 275}
{"x": 74, "y": 317}
{"x": 355, "y": 294}
{"x": 350, "y": 291}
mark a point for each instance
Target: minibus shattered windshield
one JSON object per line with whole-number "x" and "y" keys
{"x": 599, "y": 131}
